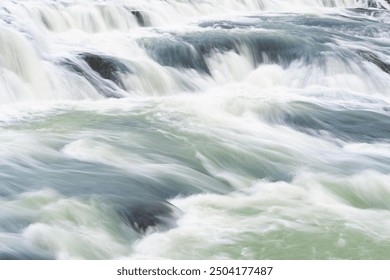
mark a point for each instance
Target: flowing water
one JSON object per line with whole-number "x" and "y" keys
{"x": 195, "y": 129}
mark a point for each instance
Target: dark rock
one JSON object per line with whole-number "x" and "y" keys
{"x": 375, "y": 4}
{"x": 102, "y": 86}
{"x": 156, "y": 215}
{"x": 103, "y": 72}
{"x": 107, "y": 67}
{"x": 373, "y": 58}
{"x": 141, "y": 18}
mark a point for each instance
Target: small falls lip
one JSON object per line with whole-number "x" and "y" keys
{"x": 190, "y": 50}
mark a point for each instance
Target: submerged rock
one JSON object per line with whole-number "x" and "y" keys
{"x": 151, "y": 215}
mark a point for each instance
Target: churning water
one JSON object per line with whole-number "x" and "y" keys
{"x": 198, "y": 129}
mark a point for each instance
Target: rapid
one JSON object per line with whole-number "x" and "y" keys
{"x": 198, "y": 129}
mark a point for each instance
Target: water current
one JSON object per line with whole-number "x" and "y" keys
{"x": 198, "y": 129}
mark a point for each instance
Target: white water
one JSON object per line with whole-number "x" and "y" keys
{"x": 264, "y": 122}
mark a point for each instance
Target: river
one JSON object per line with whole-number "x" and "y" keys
{"x": 198, "y": 129}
